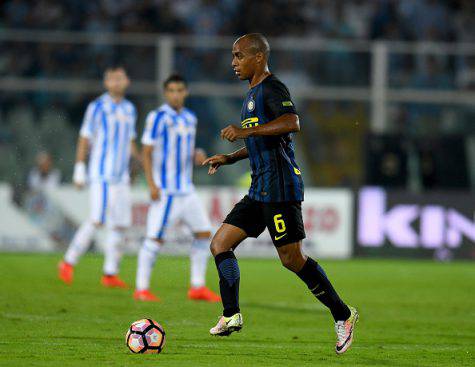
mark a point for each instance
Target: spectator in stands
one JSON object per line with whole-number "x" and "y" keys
{"x": 43, "y": 176}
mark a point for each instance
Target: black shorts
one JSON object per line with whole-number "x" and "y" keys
{"x": 282, "y": 219}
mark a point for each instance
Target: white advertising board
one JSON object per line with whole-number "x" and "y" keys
{"x": 17, "y": 231}
{"x": 327, "y": 213}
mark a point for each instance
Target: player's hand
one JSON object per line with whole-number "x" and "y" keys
{"x": 79, "y": 175}
{"x": 154, "y": 193}
{"x": 232, "y": 133}
{"x": 200, "y": 156}
{"x": 215, "y": 162}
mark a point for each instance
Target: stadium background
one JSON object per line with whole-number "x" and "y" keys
{"x": 385, "y": 95}
{"x": 385, "y": 90}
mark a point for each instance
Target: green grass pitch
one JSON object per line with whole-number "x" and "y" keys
{"x": 412, "y": 313}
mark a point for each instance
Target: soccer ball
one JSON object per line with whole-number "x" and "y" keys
{"x": 145, "y": 336}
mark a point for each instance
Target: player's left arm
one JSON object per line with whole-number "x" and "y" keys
{"x": 134, "y": 152}
{"x": 284, "y": 124}
{"x": 278, "y": 104}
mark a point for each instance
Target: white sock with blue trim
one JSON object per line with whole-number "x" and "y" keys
{"x": 80, "y": 243}
{"x": 113, "y": 251}
{"x": 199, "y": 255}
{"x": 145, "y": 263}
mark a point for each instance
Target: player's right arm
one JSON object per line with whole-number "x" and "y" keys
{"x": 153, "y": 126}
{"x": 147, "y": 152}
{"x": 219, "y": 160}
{"x": 79, "y": 175}
{"x": 88, "y": 130}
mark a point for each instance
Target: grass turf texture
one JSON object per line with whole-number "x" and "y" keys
{"x": 413, "y": 313}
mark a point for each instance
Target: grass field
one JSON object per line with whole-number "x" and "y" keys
{"x": 413, "y": 313}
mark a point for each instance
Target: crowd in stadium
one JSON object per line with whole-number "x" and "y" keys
{"x": 361, "y": 19}
{"x": 351, "y": 19}
{"x": 443, "y": 21}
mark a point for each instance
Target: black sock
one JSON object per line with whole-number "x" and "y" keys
{"x": 229, "y": 276}
{"x": 317, "y": 281}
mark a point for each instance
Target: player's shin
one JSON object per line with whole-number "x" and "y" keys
{"x": 317, "y": 281}
{"x": 229, "y": 276}
{"x": 80, "y": 243}
{"x": 199, "y": 255}
{"x": 146, "y": 260}
{"x": 113, "y": 251}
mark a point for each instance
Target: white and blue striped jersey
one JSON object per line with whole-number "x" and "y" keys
{"x": 172, "y": 135}
{"x": 110, "y": 127}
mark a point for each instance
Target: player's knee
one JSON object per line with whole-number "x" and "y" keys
{"x": 202, "y": 235}
{"x": 158, "y": 241}
{"x": 214, "y": 247}
{"x": 291, "y": 259}
{"x": 287, "y": 261}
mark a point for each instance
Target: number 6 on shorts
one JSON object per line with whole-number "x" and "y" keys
{"x": 279, "y": 223}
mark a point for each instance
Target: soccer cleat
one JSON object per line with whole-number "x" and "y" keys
{"x": 344, "y": 332}
{"x": 146, "y": 296}
{"x": 227, "y": 325}
{"x": 65, "y": 272}
{"x": 203, "y": 294}
{"x": 113, "y": 281}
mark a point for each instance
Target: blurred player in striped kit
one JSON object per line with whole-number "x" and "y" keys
{"x": 108, "y": 131}
{"x": 168, "y": 157}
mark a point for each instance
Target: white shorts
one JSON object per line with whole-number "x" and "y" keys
{"x": 111, "y": 204}
{"x": 173, "y": 208}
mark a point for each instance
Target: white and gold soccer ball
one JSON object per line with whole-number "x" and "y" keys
{"x": 145, "y": 336}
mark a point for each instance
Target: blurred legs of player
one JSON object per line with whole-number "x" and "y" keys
{"x": 162, "y": 214}
{"x": 110, "y": 204}
{"x": 229, "y": 237}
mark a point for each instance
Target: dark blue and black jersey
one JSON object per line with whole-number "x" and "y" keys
{"x": 275, "y": 174}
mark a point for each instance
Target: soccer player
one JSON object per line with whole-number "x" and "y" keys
{"x": 168, "y": 157}
{"x": 268, "y": 119}
{"x": 108, "y": 130}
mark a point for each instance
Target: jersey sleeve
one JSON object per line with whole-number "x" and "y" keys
{"x": 277, "y": 100}
{"x": 90, "y": 120}
{"x": 153, "y": 124}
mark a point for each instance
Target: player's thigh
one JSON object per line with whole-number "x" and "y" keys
{"x": 161, "y": 215}
{"x": 248, "y": 216}
{"x": 227, "y": 238}
{"x": 120, "y": 208}
{"x": 284, "y": 222}
{"x": 98, "y": 202}
{"x": 194, "y": 214}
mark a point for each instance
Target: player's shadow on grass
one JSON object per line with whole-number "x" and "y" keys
{"x": 286, "y": 307}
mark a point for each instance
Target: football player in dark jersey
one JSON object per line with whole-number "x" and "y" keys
{"x": 268, "y": 120}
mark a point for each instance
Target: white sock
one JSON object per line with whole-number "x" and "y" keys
{"x": 199, "y": 261}
{"x": 145, "y": 262}
{"x": 113, "y": 251}
{"x": 80, "y": 243}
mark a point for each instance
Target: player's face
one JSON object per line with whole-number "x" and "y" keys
{"x": 116, "y": 81}
{"x": 175, "y": 94}
{"x": 244, "y": 61}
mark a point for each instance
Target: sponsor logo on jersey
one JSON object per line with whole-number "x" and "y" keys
{"x": 250, "y": 122}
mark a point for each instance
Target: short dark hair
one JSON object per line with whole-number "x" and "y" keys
{"x": 174, "y": 78}
{"x": 114, "y": 67}
{"x": 258, "y": 43}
